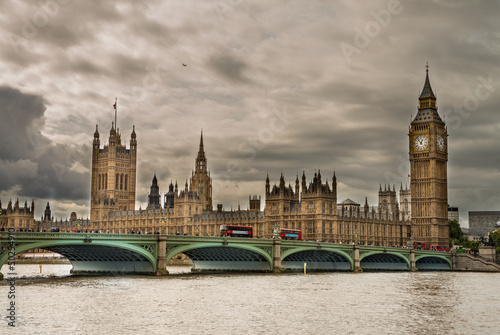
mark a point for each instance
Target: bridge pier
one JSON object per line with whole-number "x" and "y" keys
{"x": 357, "y": 263}
{"x": 413, "y": 266}
{"x": 277, "y": 256}
{"x": 161, "y": 260}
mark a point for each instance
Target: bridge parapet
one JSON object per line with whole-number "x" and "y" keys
{"x": 149, "y": 254}
{"x": 76, "y": 236}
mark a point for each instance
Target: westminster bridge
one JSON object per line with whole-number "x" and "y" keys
{"x": 101, "y": 254}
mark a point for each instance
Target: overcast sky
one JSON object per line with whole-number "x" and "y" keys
{"x": 283, "y": 87}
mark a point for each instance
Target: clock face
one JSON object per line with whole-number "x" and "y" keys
{"x": 420, "y": 142}
{"x": 441, "y": 143}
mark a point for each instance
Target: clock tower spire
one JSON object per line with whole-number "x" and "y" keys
{"x": 428, "y": 148}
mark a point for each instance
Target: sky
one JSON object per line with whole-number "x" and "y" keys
{"x": 276, "y": 87}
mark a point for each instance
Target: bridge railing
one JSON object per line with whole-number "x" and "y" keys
{"x": 76, "y": 236}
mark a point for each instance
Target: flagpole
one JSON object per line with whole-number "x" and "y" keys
{"x": 116, "y": 125}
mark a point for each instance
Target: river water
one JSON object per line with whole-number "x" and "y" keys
{"x": 186, "y": 303}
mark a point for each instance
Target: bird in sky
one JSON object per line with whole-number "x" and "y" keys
{"x": 184, "y": 64}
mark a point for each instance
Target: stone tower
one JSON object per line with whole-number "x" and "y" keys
{"x": 201, "y": 183}
{"x": 428, "y": 144}
{"x": 113, "y": 175}
{"x": 154, "y": 195}
{"x": 404, "y": 203}
{"x": 387, "y": 200}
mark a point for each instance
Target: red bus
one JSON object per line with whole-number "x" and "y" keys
{"x": 290, "y": 234}
{"x": 439, "y": 248}
{"x": 236, "y": 231}
{"x": 418, "y": 245}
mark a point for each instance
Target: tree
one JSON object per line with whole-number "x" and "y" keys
{"x": 495, "y": 236}
{"x": 455, "y": 230}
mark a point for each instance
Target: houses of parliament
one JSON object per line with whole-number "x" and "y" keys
{"x": 308, "y": 203}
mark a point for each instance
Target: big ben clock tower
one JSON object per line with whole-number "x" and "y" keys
{"x": 428, "y": 170}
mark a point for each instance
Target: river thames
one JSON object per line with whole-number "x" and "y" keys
{"x": 186, "y": 303}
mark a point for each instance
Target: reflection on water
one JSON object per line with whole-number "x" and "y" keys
{"x": 185, "y": 303}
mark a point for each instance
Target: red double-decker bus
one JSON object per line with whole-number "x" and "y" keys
{"x": 418, "y": 245}
{"x": 290, "y": 234}
{"x": 439, "y": 248}
{"x": 236, "y": 231}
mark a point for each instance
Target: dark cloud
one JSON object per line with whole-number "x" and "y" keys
{"x": 229, "y": 67}
{"x": 29, "y": 161}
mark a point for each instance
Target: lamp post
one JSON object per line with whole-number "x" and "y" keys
{"x": 276, "y": 233}
{"x": 163, "y": 220}
{"x": 197, "y": 230}
{"x": 356, "y": 237}
{"x": 78, "y": 225}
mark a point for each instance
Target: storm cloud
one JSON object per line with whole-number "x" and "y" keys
{"x": 277, "y": 88}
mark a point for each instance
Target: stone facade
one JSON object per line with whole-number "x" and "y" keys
{"x": 47, "y": 222}
{"x": 309, "y": 206}
{"x": 113, "y": 174}
{"x": 17, "y": 218}
{"x": 428, "y": 146}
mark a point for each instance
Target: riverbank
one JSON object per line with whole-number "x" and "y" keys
{"x": 42, "y": 261}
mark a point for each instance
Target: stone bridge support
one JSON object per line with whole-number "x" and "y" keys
{"x": 357, "y": 263}
{"x": 277, "y": 256}
{"x": 413, "y": 265}
{"x": 161, "y": 262}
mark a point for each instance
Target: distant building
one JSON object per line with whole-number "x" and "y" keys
{"x": 453, "y": 213}
{"x": 481, "y": 223}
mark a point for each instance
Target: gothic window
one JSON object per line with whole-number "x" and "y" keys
{"x": 311, "y": 206}
{"x": 189, "y": 210}
{"x": 180, "y": 210}
{"x": 126, "y": 181}
{"x": 274, "y": 208}
{"x": 99, "y": 182}
{"x": 121, "y": 182}
{"x": 106, "y": 181}
{"x": 116, "y": 182}
{"x": 323, "y": 207}
{"x": 311, "y": 227}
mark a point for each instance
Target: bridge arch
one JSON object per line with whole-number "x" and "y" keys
{"x": 217, "y": 256}
{"x": 327, "y": 259}
{"x": 433, "y": 262}
{"x": 386, "y": 260}
{"x": 99, "y": 256}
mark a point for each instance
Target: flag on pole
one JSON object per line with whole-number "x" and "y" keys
{"x": 115, "y": 104}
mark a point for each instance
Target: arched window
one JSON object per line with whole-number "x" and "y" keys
{"x": 106, "y": 181}
{"x": 116, "y": 182}
{"x": 126, "y": 180}
{"x": 99, "y": 182}
{"x": 121, "y": 182}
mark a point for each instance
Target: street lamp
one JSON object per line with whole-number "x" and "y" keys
{"x": 356, "y": 237}
{"x": 197, "y": 230}
{"x": 78, "y": 225}
{"x": 163, "y": 221}
{"x": 276, "y": 233}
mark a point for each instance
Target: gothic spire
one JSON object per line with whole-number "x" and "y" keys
{"x": 427, "y": 108}
{"x": 201, "y": 160}
{"x": 427, "y": 90}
